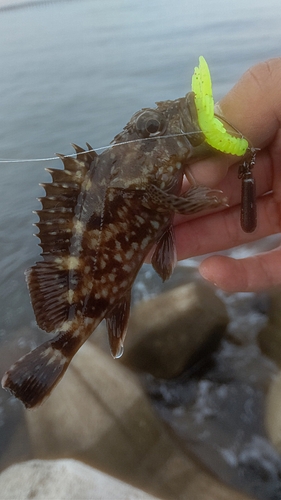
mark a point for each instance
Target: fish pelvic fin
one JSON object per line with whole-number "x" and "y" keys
{"x": 164, "y": 258}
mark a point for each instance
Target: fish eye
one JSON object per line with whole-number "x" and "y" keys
{"x": 150, "y": 123}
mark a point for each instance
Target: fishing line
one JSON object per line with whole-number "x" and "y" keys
{"x": 102, "y": 148}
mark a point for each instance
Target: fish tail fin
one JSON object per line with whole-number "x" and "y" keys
{"x": 32, "y": 377}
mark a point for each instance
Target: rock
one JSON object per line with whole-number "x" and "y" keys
{"x": 170, "y": 331}
{"x": 273, "y": 412}
{"x": 63, "y": 480}
{"x": 269, "y": 338}
{"x": 99, "y": 414}
{"x": 17, "y": 447}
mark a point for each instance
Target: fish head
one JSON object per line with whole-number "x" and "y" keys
{"x": 157, "y": 141}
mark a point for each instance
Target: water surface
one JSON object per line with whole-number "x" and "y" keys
{"x": 75, "y": 71}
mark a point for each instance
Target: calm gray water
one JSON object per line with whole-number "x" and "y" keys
{"x": 75, "y": 71}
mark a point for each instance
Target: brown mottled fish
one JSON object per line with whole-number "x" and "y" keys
{"x": 100, "y": 217}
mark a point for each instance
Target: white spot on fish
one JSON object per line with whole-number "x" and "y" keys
{"x": 77, "y": 176}
{"x": 47, "y": 352}
{"x": 145, "y": 242}
{"x": 66, "y": 326}
{"x": 72, "y": 263}
{"x": 155, "y": 224}
{"x": 124, "y": 226}
{"x": 118, "y": 257}
{"x": 79, "y": 227}
{"x": 129, "y": 254}
{"x": 70, "y": 296}
{"x": 88, "y": 321}
{"x": 57, "y": 357}
{"x": 140, "y": 219}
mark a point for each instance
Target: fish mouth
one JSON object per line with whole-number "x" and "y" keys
{"x": 189, "y": 121}
{"x": 193, "y": 135}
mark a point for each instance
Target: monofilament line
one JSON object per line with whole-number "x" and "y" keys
{"x": 102, "y": 148}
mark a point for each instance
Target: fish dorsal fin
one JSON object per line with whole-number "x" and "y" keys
{"x": 117, "y": 322}
{"x": 48, "y": 281}
{"x": 164, "y": 258}
{"x": 58, "y": 206}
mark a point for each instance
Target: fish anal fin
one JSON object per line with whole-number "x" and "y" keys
{"x": 48, "y": 288}
{"x": 117, "y": 322}
{"x": 32, "y": 377}
{"x": 164, "y": 258}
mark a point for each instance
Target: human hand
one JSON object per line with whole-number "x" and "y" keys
{"x": 254, "y": 107}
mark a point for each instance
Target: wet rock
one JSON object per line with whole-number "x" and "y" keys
{"x": 174, "y": 329}
{"x": 269, "y": 341}
{"x": 17, "y": 445}
{"x": 100, "y": 415}
{"x": 63, "y": 480}
{"x": 269, "y": 338}
{"x": 273, "y": 412}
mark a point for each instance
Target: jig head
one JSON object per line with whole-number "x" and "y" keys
{"x": 248, "y": 215}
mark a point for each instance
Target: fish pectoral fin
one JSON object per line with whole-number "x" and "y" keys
{"x": 117, "y": 322}
{"x": 194, "y": 200}
{"x": 164, "y": 258}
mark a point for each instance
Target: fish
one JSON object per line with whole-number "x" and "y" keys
{"x": 101, "y": 215}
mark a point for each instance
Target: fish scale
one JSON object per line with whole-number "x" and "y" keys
{"x": 100, "y": 217}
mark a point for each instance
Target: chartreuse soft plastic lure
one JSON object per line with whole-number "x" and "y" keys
{"x": 215, "y": 133}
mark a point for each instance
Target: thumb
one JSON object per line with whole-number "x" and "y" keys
{"x": 251, "y": 274}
